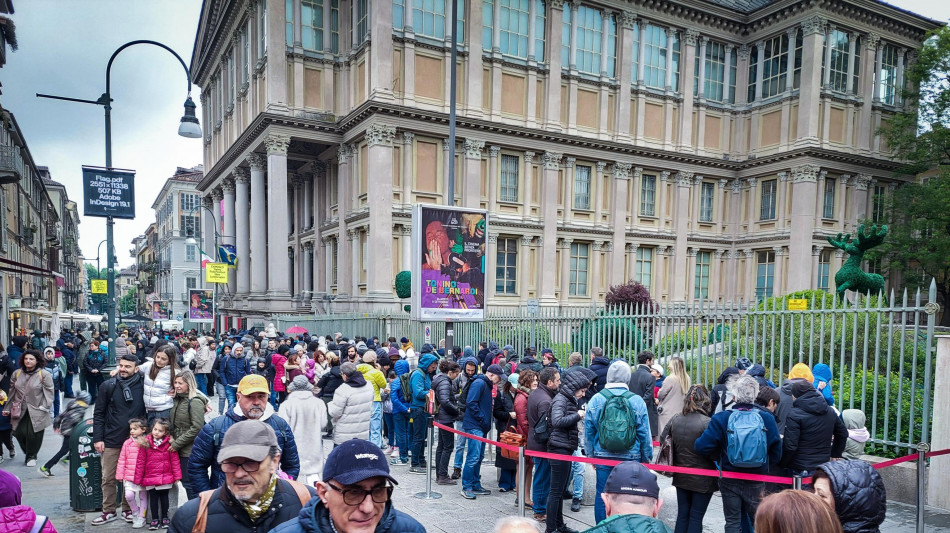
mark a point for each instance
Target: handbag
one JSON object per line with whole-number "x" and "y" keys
{"x": 16, "y": 408}
{"x": 511, "y": 438}
{"x": 665, "y": 456}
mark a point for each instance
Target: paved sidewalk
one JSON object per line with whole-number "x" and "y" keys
{"x": 450, "y": 514}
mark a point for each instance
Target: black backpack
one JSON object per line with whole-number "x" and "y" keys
{"x": 542, "y": 428}
{"x": 463, "y": 395}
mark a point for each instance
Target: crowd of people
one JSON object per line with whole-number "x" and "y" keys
{"x": 260, "y": 464}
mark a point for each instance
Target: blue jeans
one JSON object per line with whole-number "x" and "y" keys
{"x": 231, "y": 392}
{"x": 507, "y": 479}
{"x": 221, "y": 391}
{"x": 69, "y": 386}
{"x": 55, "y": 401}
{"x": 389, "y": 424}
{"x": 201, "y": 380}
{"x": 273, "y": 399}
{"x": 472, "y": 471}
{"x": 541, "y": 485}
{"x": 577, "y": 478}
{"x": 401, "y": 427}
{"x": 376, "y": 424}
{"x": 600, "y": 513}
{"x": 418, "y": 417}
{"x": 151, "y": 416}
{"x": 690, "y": 510}
{"x": 739, "y": 496}
{"x": 459, "y": 447}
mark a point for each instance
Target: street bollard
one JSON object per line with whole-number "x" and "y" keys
{"x": 797, "y": 482}
{"x": 522, "y": 479}
{"x": 429, "y": 494}
{"x": 922, "y": 450}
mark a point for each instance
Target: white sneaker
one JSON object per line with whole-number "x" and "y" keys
{"x": 395, "y": 452}
{"x": 138, "y": 522}
{"x": 31, "y": 463}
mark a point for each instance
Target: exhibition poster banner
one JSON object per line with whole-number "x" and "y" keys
{"x": 216, "y": 273}
{"x": 108, "y": 192}
{"x": 448, "y": 277}
{"x": 201, "y": 305}
{"x": 160, "y": 310}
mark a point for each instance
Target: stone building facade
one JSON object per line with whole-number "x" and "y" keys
{"x": 703, "y": 148}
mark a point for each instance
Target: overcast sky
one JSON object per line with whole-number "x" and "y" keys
{"x": 63, "y": 50}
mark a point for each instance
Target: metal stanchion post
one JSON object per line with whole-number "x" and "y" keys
{"x": 522, "y": 480}
{"x": 922, "y": 450}
{"x": 429, "y": 494}
{"x": 797, "y": 482}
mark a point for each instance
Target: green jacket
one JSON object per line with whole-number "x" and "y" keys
{"x": 630, "y": 523}
{"x": 186, "y": 422}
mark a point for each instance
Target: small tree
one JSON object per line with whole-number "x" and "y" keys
{"x": 404, "y": 286}
{"x": 631, "y": 294}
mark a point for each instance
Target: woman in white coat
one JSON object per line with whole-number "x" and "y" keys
{"x": 159, "y": 375}
{"x": 351, "y": 407}
{"x": 307, "y": 415}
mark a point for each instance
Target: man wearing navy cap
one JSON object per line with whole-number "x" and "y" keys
{"x": 354, "y": 497}
{"x": 632, "y": 499}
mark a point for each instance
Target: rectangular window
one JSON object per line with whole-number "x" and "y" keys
{"x": 732, "y": 77}
{"x": 838, "y": 78}
{"x": 190, "y": 254}
{"x": 399, "y": 14}
{"x": 701, "y": 290}
{"x": 515, "y": 21}
{"x": 580, "y": 254}
{"x": 311, "y": 24}
{"x": 361, "y": 12}
{"x": 753, "y": 72}
{"x": 648, "y": 195}
{"x": 635, "y": 52}
{"x": 706, "y": 199}
{"x": 589, "y": 26}
{"x": 767, "y": 209}
{"x": 878, "y": 203}
{"x": 644, "y": 268}
{"x": 797, "y": 67}
{"x": 565, "y": 38}
{"x": 715, "y": 81}
{"x": 334, "y": 260}
{"x": 246, "y": 57}
{"x": 190, "y": 283}
{"x": 189, "y": 226}
{"x": 828, "y": 209}
{"x": 765, "y": 274}
{"x": 506, "y": 267}
{"x": 262, "y": 32}
{"x": 509, "y": 178}
{"x": 488, "y": 13}
{"x": 335, "y": 26}
{"x": 582, "y": 187}
{"x": 824, "y": 270}
{"x": 654, "y": 56}
{"x": 429, "y": 18}
{"x": 888, "y": 85}
{"x": 189, "y": 202}
{"x": 289, "y": 21}
{"x": 775, "y": 65}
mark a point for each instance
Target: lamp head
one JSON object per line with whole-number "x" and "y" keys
{"x": 190, "y": 127}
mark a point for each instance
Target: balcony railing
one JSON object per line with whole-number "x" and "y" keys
{"x": 11, "y": 165}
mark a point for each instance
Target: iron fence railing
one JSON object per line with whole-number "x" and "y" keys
{"x": 880, "y": 350}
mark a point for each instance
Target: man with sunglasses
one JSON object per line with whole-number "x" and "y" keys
{"x": 354, "y": 497}
{"x": 253, "y": 498}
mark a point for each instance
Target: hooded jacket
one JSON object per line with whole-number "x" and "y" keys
{"x": 463, "y": 378}
{"x": 446, "y": 399}
{"x": 234, "y": 368}
{"x": 539, "y": 403}
{"x": 629, "y": 523}
{"x": 128, "y": 459}
{"x": 784, "y": 405}
{"x": 156, "y": 390}
{"x": 859, "y": 494}
{"x": 599, "y": 366}
{"x": 858, "y": 435}
{"x": 478, "y": 405}
{"x": 758, "y": 372}
{"x": 315, "y": 518}
{"x": 204, "y": 359}
{"x": 157, "y": 464}
{"x": 330, "y": 381}
{"x": 204, "y": 453}
{"x": 642, "y": 449}
{"x": 529, "y": 362}
{"x": 485, "y": 356}
{"x": 72, "y": 415}
{"x": 351, "y": 409}
{"x": 307, "y": 415}
{"x": 813, "y": 433}
{"x": 564, "y": 415}
{"x": 421, "y": 383}
{"x": 715, "y": 439}
{"x": 395, "y": 387}
{"x": 187, "y": 418}
{"x": 719, "y": 393}
{"x": 822, "y": 373}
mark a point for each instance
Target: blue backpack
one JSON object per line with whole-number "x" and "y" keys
{"x": 747, "y": 445}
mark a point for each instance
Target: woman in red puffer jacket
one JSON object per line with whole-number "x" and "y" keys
{"x": 157, "y": 470}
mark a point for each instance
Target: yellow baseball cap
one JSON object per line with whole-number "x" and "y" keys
{"x": 252, "y": 383}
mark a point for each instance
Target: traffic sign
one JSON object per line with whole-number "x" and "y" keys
{"x": 100, "y": 286}
{"x": 428, "y": 334}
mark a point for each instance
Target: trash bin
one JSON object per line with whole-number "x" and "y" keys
{"x": 85, "y": 471}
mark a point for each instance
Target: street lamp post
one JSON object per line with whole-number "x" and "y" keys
{"x": 189, "y": 128}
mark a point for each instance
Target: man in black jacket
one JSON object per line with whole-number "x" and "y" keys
{"x": 813, "y": 432}
{"x": 539, "y": 405}
{"x": 642, "y": 383}
{"x": 253, "y": 498}
{"x": 599, "y": 364}
{"x": 120, "y": 399}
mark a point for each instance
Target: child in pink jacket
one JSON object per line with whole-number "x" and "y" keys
{"x": 158, "y": 469}
{"x": 129, "y": 458}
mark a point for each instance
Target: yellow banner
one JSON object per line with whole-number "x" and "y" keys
{"x": 100, "y": 286}
{"x": 216, "y": 273}
{"x": 796, "y": 304}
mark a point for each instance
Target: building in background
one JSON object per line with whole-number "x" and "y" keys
{"x": 143, "y": 250}
{"x": 64, "y": 246}
{"x": 705, "y": 149}
{"x": 178, "y": 264}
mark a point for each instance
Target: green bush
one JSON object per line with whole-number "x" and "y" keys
{"x": 679, "y": 341}
{"x": 613, "y": 331}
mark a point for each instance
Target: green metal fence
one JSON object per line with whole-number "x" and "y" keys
{"x": 880, "y": 349}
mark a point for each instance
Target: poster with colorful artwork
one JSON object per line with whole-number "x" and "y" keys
{"x": 448, "y": 277}
{"x": 200, "y": 305}
{"x": 160, "y": 310}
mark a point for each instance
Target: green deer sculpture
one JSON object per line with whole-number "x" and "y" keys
{"x": 850, "y": 277}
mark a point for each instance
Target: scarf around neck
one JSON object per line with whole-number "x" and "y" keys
{"x": 255, "y": 510}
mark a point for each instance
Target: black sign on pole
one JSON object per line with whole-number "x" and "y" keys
{"x": 108, "y": 192}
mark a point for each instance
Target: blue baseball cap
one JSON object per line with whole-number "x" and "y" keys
{"x": 356, "y": 460}
{"x": 631, "y": 477}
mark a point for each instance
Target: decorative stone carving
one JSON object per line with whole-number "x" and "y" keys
{"x": 783, "y": 176}
{"x": 743, "y": 53}
{"x": 529, "y": 157}
{"x": 845, "y": 180}
{"x": 813, "y": 25}
{"x": 692, "y": 34}
{"x": 736, "y": 185}
{"x": 207, "y": 201}
{"x": 319, "y": 169}
{"x": 446, "y": 145}
{"x": 569, "y": 162}
{"x": 752, "y": 182}
{"x": 296, "y": 179}
{"x": 872, "y": 41}
{"x": 241, "y": 175}
{"x": 308, "y": 246}
{"x": 473, "y": 148}
{"x": 493, "y": 151}
{"x": 805, "y": 173}
{"x": 551, "y": 160}
{"x": 228, "y": 185}
{"x": 622, "y": 170}
{"x": 526, "y": 240}
{"x": 637, "y": 172}
{"x": 342, "y": 154}
{"x": 601, "y": 166}
{"x": 277, "y": 144}
{"x": 628, "y": 19}
{"x": 492, "y": 237}
{"x": 380, "y": 134}
{"x": 722, "y": 184}
{"x": 719, "y": 254}
{"x": 665, "y": 175}
{"x": 407, "y": 137}
{"x": 684, "y": 178}
{"x": 692, "y": 252}
{"x": 779, "y": 250}
{"x": 557, "y": 4}
{"x": 816, "y": 250}
{"x": 256, "y": 161}
{"x": 597, "y": 246}
{"x": 217, "y": 194}
{"x": 862, "y": 181}
{"x": 566, "y": 242}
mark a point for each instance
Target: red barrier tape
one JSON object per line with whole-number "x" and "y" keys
{"x": 676, "y": 469}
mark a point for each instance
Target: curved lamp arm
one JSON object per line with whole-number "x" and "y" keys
{"x": 143, "y": 41}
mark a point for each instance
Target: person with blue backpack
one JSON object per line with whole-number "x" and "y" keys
{"x": 745, "y": 440}
{"x": 616, "y": 426}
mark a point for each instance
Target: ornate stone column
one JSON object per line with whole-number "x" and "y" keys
{"x": 749, "y": 255}
{"x": 296, "y": 181}
{"x": 690, "y": 277}
{"x": 565, "y": 269}
{"x": 524, "y": 266}
{"x": 804, "y": 197}
{"x": 258, "y": 227}
{"x": 307, "y": 267}
{"x": 379, "y": 271}
{"x": 715, "y": 273}
{"x": 684, "y": 181}
{"x": 597, "y": 191}
{"x": 407, "y": 154}
{"x": 594, "y": 275}
{"x": 688, "y": 66}
{"x": 810, "y": 85}
{"x": 552, "y": 114}
{"x": 344, "y": 170}
{"x": 552, "y": 163}
{"x": 406, "y": 243}
{"x": 493, "y": 176}
{"x": 628, "y": 21}
{"x": 528, "y": 182}
{"x": 778, "y": 282}
{"x": 242, "y": 231}
{"x": 278, "y": 287}
{"x": 618, "y": 214}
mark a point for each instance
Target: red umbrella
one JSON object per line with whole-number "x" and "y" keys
{"x": 296, "y": 330}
